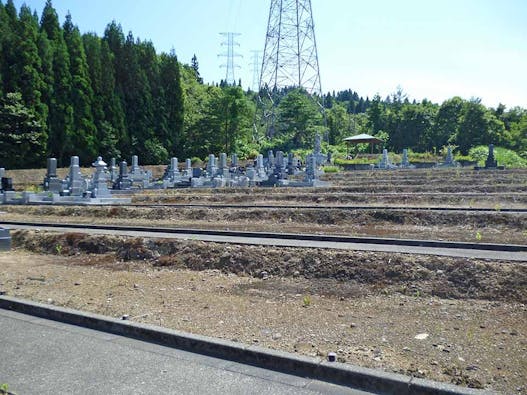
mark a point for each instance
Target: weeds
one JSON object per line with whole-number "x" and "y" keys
{"x": 4, "y": 389}
{"x": 306, "y": 301}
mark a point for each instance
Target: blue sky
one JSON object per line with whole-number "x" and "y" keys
{"x": 432, "y": 49}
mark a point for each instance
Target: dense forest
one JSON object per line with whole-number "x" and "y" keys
{"x": 64, "y": 93}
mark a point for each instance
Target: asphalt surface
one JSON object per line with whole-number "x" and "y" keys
{"x": 452, "y": 252}
{"x": 39, "y": 356}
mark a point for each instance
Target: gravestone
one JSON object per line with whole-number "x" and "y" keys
{"x": 223, "y": 169}
{"x": 449, "y": 157}
{"x": 280, "y": 162}
{"x": 449, "y": 160}
{"x": 123, "y": 182}
{"x": 311, "y": 168}
{"x": 2, "y": 176}
{"x": 187, "y": 173}
{"x": 405, "y": 162}
{"x": 260, "y": 168}
{"x": 138, "y": 176}
{"x": 270, "y": 160}
{"x": 6, "y": 184}
{"x": 317, "y": 152}
{"x": 234, "y": 161}
{"x": 491, "y": 162}
{"x": 385, "y": 162}
{"x": 100, "y": 179}
{"x": 76, "y": 185}
{"x": 211, "y": 166}
{"x": 279, "y": 174}
{"x": 135, "y": 165}
{"x": 172, "y": 173}
{"x": 51, "y": 182}
{"x": 114, "y": 170}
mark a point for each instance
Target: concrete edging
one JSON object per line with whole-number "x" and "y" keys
{"x": 288, "y": 236}
{"x": 5, "y": 239}
{"x": 348, "y": 375}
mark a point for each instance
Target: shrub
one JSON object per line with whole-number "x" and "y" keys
{"x": 331, "y": 169}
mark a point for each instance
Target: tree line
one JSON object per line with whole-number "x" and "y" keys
{"x": 427, "y": 127}
{"x": 64, "y": 93}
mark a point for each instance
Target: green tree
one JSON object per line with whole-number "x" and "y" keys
{"x": 112, "y": 82}
{"x": 478, "y": 126}
{"x": 338, "y": 121}
{"x": 173, "y": 105}
{"x": 8, "y": 22}
{"x": 299, "y": 119}
{"x": 410, "y": 125}
{"x": 518, "y": 134}
{"x": 446, "y": 125}
{"x": 60, "y": 120}
{"x": 226, "y": 123}
{"x": 81, "y": 95}
{"x": 22, "y": 135}
{"x": 194, "y": 65}
{"x": 27, "y": 66}
{"x": 376, "y": 115}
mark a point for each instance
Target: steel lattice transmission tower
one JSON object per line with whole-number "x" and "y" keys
{"x": 230, "y": 43}
{"x": 290, "y": 56}
{"x": 256, "y": 65}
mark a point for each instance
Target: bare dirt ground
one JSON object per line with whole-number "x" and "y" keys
{"x": 366, "y": 307}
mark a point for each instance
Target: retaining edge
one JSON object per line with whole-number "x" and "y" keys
{"x": 288, "y": 236}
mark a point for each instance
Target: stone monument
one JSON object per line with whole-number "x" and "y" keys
{"x": 385, "y": 162}
{"x": 75, "y": 183}
{"x": 99, "y": 184}
{"x": 491, "y": 162}
{"x": 123, "y": 182}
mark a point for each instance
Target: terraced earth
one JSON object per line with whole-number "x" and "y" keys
{"x": 367, "y": 307}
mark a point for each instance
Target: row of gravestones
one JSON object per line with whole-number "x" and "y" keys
{"x": 385, "y": 162}
{"x": 273, "y": 170}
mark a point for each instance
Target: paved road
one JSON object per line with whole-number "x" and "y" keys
{"x": 452, "y": 252}
{"x": 38, "y": 356}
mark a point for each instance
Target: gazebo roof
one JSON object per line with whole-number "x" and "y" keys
{"x": 362, "y": 138}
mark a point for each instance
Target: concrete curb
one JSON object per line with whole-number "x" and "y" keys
{"x": 314, "y": 368}
{"x": 287, "y": 236}
{"x": 5, "y": 239}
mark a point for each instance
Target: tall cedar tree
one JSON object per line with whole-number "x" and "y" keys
{"x": 173, "y": 107}
{"x": 81, "y": 94}
{"x": 60, "y": 120}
